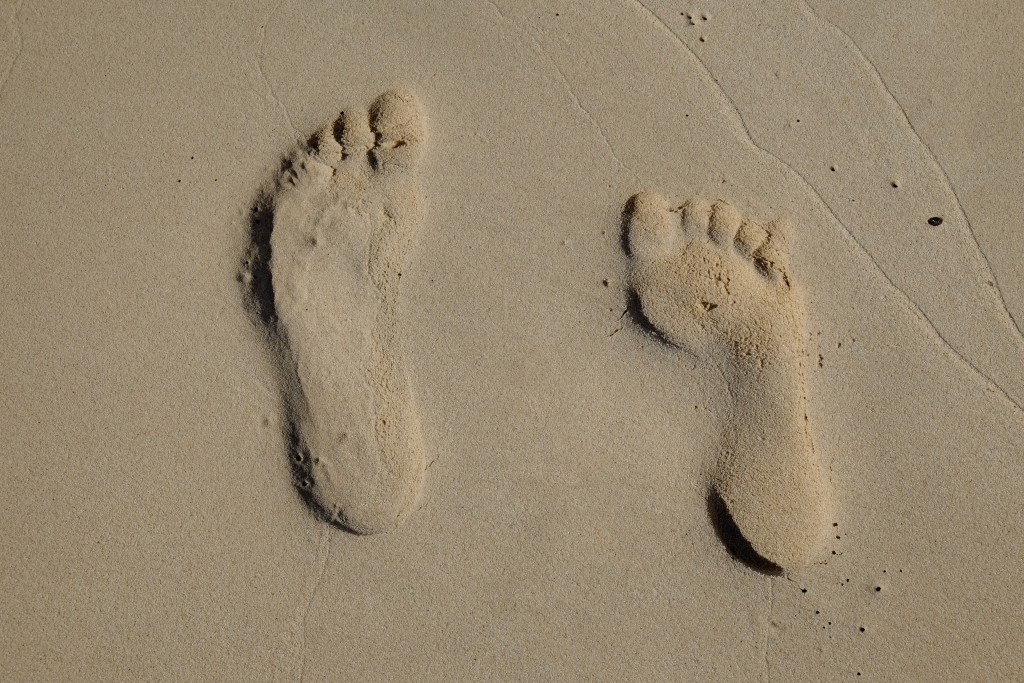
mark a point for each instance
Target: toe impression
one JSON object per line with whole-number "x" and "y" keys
{"x": 696, "y": 216}
{"x": 772, "y": 257}
{"x": 749, "y": 238}
{"x": 353, "y": 134}
{"x": 399, "y": 128}
{"x": 652, "y": 227}
{"x": 326, "y": 148}
{"x": 725, "y": 222}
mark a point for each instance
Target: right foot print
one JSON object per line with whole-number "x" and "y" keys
{"x": 344, "y": 215}
{"x": 712, "y": 282}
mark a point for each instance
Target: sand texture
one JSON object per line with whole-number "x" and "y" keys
{"x": 626, "y": 340}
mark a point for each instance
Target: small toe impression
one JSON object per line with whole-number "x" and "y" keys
{"x": 772, "y": 257}
{"x": 696, "y": 215}
{"x": 325, "y": 147}
{"x": 749, "y": 238}
{"x": 399, "y": 128}
{"x": 353, "y": 134}
{"x": 724, "y": 224}
{"x": 652, "y": 226}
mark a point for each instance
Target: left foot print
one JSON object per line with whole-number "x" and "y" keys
{"x": 344, "y": 216}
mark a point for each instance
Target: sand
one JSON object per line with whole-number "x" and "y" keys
{"x": 331, "y": 238}
{"x": 599, "y": 499}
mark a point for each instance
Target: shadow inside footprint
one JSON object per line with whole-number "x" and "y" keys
{"x": 625, "y": 218}
{"x": 255, "y": 271}
{"x": 258, "y": 293}
{"x": 635, "y": 311}
{"x": 732, "y": 538}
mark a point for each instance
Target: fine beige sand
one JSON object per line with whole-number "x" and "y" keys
{"x": 512, "y": 341}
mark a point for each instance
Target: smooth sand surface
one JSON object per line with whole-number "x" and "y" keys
{"x": 568, "y": 526}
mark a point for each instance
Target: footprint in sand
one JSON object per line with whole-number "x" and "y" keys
{"x": 719, "y": 285}
{"x": 338, "y": 226}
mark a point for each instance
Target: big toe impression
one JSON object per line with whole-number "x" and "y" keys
{"x": 398, "y": 123}
{"x": 652, "y": 227}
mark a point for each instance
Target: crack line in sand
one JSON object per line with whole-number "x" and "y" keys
{"x": 263, "y": 74}
{"x": 539, "y": 49}
{"x": 19, "y": 41}
{"x": 738, "y": 117}
{"x": 934, "y": 158}
{"x": 324, "y": 551}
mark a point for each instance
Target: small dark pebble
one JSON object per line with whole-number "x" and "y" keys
{"x": 935, "y": 221}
